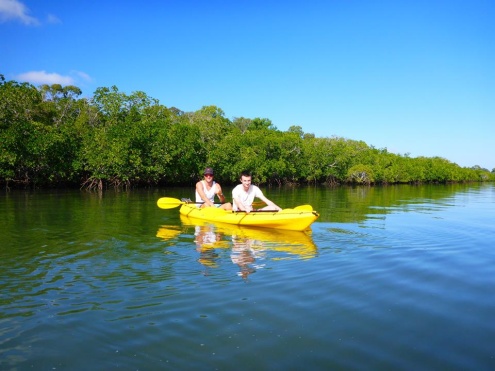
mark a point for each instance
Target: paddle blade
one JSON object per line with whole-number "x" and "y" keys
{"x": 297, "y": 209}
{"x": 304, "y": 208}
{"x": 168, "y": 202}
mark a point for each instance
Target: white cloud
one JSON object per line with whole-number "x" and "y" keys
{"x": 15, "y": 10}
{"x": 53, "y": 19}
{"x": 42, "y": 77}
{"x": 84, "y": 76}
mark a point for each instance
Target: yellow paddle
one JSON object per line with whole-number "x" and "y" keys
{"x": 297, "y": 209}
{"x": 304, "y": 208}
{"x": 170, "y": 203}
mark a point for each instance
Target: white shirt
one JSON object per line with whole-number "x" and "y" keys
{"x": 210, "y": 194}
{"x": 247, "y": 198}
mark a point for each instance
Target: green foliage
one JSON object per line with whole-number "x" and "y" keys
{"x": 360, "y": 174}
{"x": 49, "y": 137}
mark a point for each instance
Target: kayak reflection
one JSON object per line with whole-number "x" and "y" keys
{"x": 250, "y": 247}
{"x": 168, "y": 232}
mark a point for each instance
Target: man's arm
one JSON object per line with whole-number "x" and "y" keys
{"x": 270, "y": 204}
{"x": 238, "y": 202}
{"x": 220, "y": 194}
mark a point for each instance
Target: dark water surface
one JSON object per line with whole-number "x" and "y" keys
{"x": 396, "y": 278}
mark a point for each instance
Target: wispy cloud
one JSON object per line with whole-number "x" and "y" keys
{"x": 82, "y": 75}
{"x": 15, "y": 10}
{"x": 42, "y": 77}
{"x": 52, "y": 19}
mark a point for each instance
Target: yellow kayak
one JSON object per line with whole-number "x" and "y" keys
{"x": 297, "y": 219}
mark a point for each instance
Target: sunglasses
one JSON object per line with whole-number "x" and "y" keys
{"x": 208, "y": 175}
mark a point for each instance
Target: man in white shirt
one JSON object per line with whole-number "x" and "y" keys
{"x": 244, "y": 194}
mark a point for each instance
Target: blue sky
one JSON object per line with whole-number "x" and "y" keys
{"x": 414, "y": 77}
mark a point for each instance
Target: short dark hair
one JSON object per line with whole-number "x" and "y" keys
{"x": 245, "y": 173}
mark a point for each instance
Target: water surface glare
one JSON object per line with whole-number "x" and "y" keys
{"x": 398, "y": 277}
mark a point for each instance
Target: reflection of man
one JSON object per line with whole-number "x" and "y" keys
{"x": 205, "y": 239}
{"x": 205, "y": 235}
{"x": 244, "y": 254}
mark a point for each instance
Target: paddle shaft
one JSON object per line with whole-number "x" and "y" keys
{"x": 170, "y": 202}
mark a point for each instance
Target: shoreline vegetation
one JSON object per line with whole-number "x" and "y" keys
{"x": 52, "y": 138}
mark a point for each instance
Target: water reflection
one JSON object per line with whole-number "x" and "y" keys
{"x": 168, "y": 232}
{"x": 248, "y": 248}
{"x": 207, "y": 239}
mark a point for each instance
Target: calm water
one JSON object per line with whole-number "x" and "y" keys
{"x": 396, "y": 278}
